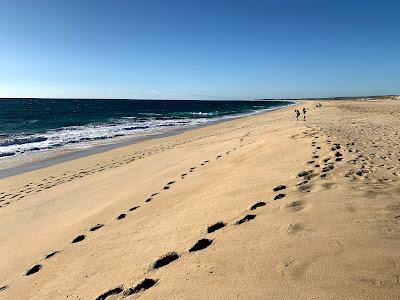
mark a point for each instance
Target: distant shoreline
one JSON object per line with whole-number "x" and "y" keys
{"x": 371, "y": 97}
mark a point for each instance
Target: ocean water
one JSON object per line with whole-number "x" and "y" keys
{"x": 37, "y": 125}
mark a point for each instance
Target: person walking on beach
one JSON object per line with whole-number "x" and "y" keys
{"x": 297, "y": 114}
{"x": 304, "y": 113}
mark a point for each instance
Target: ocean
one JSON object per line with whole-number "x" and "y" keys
{"x": 39, "y": 125}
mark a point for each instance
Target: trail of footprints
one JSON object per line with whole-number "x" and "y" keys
{"x": 33, "y": 188}
{"x": 52, "y": 181}
{"x": 201, "y": 244}
{"x": 144, "y": 285}
{"x": 374, "y": 146}
{"x": 204, "y": 242}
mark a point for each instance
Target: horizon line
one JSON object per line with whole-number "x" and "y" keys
{"x": 257, "y": 99}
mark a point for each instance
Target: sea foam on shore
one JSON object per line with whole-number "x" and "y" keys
{"x": 39, "y": 125}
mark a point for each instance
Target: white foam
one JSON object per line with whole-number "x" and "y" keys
{"x": 74, "y": 137}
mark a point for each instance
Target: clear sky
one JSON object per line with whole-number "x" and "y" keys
{"x": 199, "y": 49}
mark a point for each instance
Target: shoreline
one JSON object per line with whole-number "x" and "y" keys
{"x": 64, "y": 155}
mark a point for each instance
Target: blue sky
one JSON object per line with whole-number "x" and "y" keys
{"x": 198, "y": 49}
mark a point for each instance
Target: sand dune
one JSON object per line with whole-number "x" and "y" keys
{"x": 262, "y": 207}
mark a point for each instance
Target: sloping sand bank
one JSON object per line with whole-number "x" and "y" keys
{"x": 262, "y": 207}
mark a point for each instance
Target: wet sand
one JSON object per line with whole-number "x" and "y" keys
{"x": 261, "y": 207}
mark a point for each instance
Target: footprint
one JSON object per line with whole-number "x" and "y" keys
{"x": 216, "y": 226}
{"x": 200, "y": 245}
{"x": 293, "y": 228}
{"x": 114, "y": 291}
{"x": 121, "y": 216}
{"x": 33, "y": 270}
{"x": 279, "y": 188}
{"x": 279, "y": 196}
{"x": 166, "y": 187}
{"x": 165, "y": 260}
{"x": 142, "y": 286}
{"x": 245, "y": 219}
{"x": 304, "y": 173}
{"x": 327, "y": 168}
{"x": 51, "y": 254}
{"x": 360, "y": 172}
{"x": 149, "y": 199}
{"x": 98, "y": 226}
{"x": 4, "y": 287}
{"x": 295, "y": 205}
{"x": 171, "y": 182}
{"x": 257, "y": 205}
{"x": 302, "y": 183}
{"x": 134, "y": 208}
{"x": 78, "y": 239}
{"x": 328, "y": 185}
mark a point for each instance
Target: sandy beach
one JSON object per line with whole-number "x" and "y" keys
{"x": 261, "y": 207}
